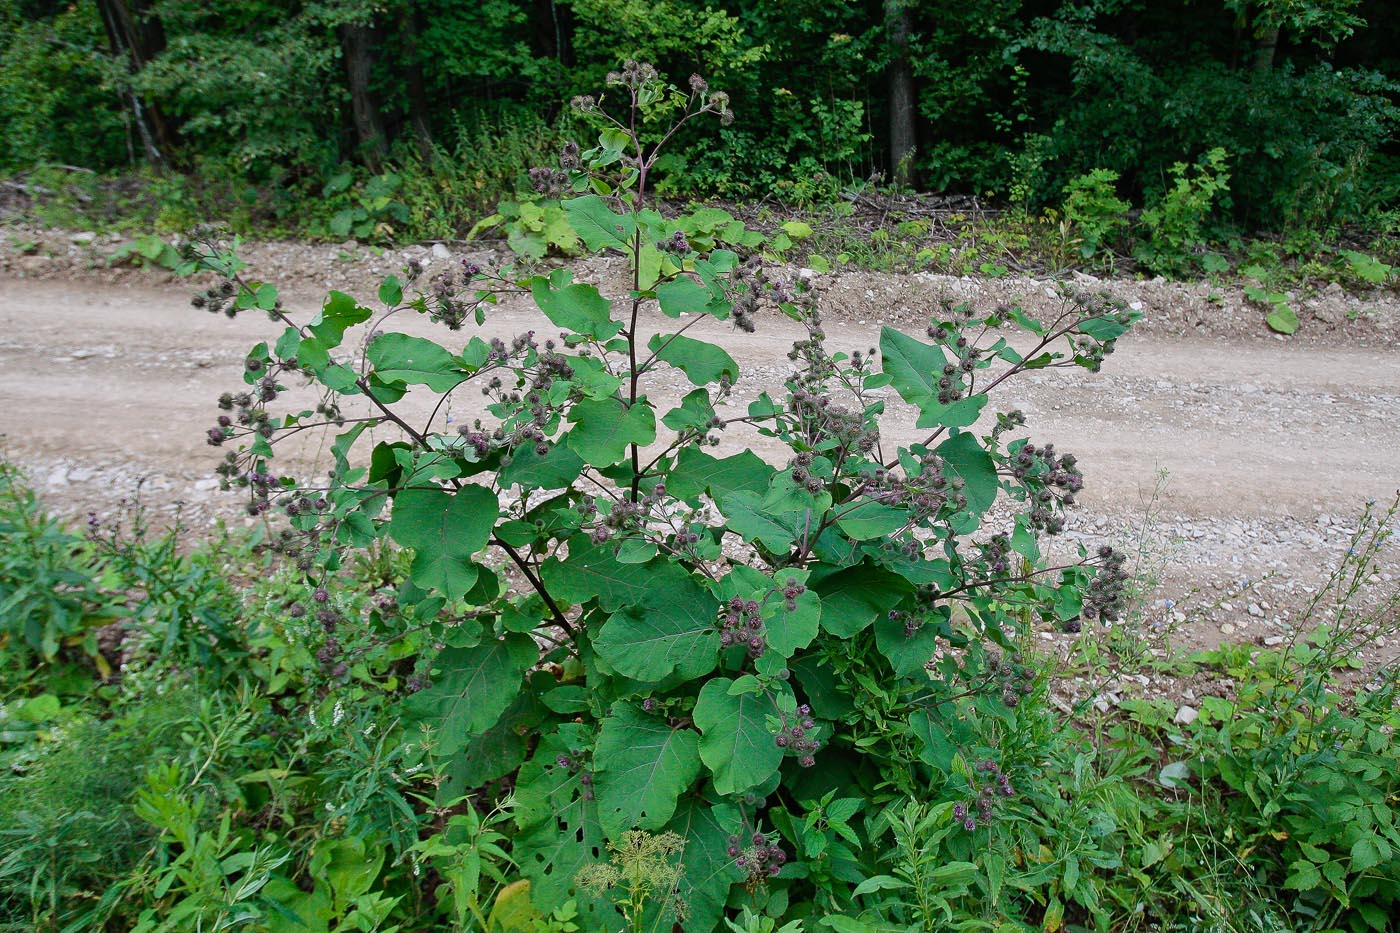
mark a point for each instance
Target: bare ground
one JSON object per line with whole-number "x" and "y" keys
{"x": 1234, "y": 461}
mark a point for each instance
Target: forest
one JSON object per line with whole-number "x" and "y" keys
{"x": 302, "y": 116}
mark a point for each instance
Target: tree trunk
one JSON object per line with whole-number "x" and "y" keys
{"x": 137, "y": 37}
{"x": 1264, "y": 53}
{"x": 901, "y": 93}
{"x": 417, "y": 97}
{"x": 355, "y": 43}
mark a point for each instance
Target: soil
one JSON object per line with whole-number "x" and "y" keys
{"x": 1234, "y": 462}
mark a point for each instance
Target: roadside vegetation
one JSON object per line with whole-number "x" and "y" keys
{"x": 1251, "y": 138}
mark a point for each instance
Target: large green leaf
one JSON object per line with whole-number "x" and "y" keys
{"x": 786, "y": 496}
{"x": 694, "y": 412}
{"x": 339, "y": 313}
{"x": 708, "y": 871}
{"x": 788, "y": 631}
{"x": 702, "y": 363}
{"x": 560, "y": 832}
{"x": 496, "y": 752}
{"x": 474, "y": 687}
{"x": 414, "y": 361}
{"x": 745, "y": 515}
{"x": 579, "y": 308}
{"x": 643, "y": 766}
{"x": 737, "y": 747}
{"x": 966, "y": 458}
{"x": 597, "y": 225}
{"x": 853, "y": 598}
{"x": 957, "y": 414}
{"x": 605, "y": 427}
{"x": 671, "y": 629}
{"x": 559, "y": 467}
{"x": 591, "y": 571}
{"x": 696, "y": 472}
{"x": 683, "y": 296}
{"x": 869, "y": 520}
{"x": 907, "y": 653}
{"x": 913, "y": 367}
{"x": 444, "y": 529}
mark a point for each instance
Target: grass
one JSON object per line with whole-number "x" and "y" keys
{"x": 1270, "y": 812}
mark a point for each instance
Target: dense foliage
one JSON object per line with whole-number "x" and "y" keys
{"x": 315, "y": 103}
{"x": 139, "y": 790}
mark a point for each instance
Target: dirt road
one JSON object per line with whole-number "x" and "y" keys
{"x": 1269, "y": 448}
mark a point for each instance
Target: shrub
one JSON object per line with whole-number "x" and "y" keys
{"x": 1096, "y": 211}
{"x": 1177, "y": 224}
{"x": 679, "y": 636}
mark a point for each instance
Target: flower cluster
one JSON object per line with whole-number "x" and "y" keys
{"x": 820, "y": 421}
{"x": 445, "y": 303}
{"x": 924, "y": 494}
{"x": 761, "y": 858}
{"x": 1016, "y": 681}
{"x": 218, "y": 299}
{"x": 741, "y": 623}
{"x": 1051, "y": 481}
{"x": 1107, "y": 593}
{"x": 795, "y": 739}
{"x": 997, "y": 786}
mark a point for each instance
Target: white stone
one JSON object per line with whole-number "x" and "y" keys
{"x": 1186, "y": 715}
{"x": 441, "y": 252}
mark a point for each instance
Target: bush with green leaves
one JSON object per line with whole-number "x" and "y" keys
{"x": 1094, "y": 208}
{"x": 640, "y": 622}
{"x": 1176, "y": 225}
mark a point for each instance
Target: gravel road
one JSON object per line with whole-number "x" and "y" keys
{"x": 1235, "y": 462}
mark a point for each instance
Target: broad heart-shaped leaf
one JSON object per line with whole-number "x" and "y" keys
{"x": 702, "y": 363}
{"x": 869, "y": 520}
{"x": 694, "y": 412}
{"x": 957, "y": 414}
{"x": 338, "y": 314}
{"x": 745, "y": 515}
{"x": 597, "y": 225}
{"x": 1282, "y": 319}
{"x": 964, "y": 457}
{"x": 1103, "y": 328}
{"x": 707, "y": 870}
{"x": 914, "y": 368}
{"x": 559, "y": 829}
{"x": 854, "y": 597}
{"x": 908, "y": 653}
{"x": 604, "y": 428}
{"x": 791, "y": 631}
{"x": 496, "y": 752}
{"x": 579, "y": 308}
{"x": 474, "y": 688}
{"x": 415, "y": 361}
{"x": 643, "y": 765}
{"x": 559, "y": 467}
{"x": 445, "y": 529}
{"x": 737, "y": 747}
{"x": 696, "y": 472}
{"x": 592, "y": 570}
{"x": 683, "y": 296}
{"x": 670, "y": 630}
